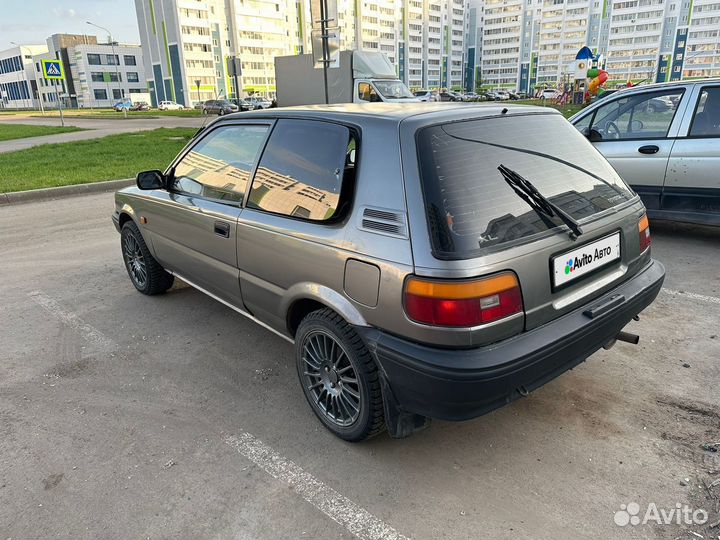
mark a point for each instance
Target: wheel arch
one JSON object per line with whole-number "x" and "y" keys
{"x": 304, "y": 298}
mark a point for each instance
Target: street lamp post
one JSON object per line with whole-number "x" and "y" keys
{"x": 116, "y": 60}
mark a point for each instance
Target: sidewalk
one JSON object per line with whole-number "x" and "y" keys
{"x": 96, "y": 128}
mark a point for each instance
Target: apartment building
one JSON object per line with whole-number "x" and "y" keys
{"x": 18, "y": 85}
{"x": 189, "y": 46}
{"x": 528, "y": 44}
{"x": 431, "y": 43}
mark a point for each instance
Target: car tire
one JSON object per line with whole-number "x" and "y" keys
{"x": 205, "y": 111}
{"x": 328, "y": 352}
{"x": 144, "y": 271}
{"x": 221, "y": 112}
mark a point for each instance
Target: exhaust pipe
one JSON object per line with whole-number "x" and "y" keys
{"x": 627, "y": 337}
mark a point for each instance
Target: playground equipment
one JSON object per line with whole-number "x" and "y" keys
{"x": 587, "y": 66}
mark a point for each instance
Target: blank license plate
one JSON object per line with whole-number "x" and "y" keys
{"x": 583, "y": 260}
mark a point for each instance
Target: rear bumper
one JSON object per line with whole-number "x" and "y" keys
{"x": 462, "y": 384}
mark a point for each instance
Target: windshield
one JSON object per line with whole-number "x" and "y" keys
{"x": 393, "y": 89}
{"x": 470, "y": 207}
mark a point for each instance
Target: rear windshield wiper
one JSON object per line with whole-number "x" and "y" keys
{"x": 530, "y": 194}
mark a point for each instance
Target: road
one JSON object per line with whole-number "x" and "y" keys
{"x": 124, "y": 416}
{"x": 96, "y": 128}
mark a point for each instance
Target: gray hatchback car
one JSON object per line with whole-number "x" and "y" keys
{"x": 427, "y": 261}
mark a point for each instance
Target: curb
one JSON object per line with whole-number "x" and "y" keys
{"x": 32, "y": 195}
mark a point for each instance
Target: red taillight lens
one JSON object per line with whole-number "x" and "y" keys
{"x": 644, "y": 230}
{"x": 462, "y": 303}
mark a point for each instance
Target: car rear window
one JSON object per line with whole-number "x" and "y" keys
{"x": 471, "y": 209}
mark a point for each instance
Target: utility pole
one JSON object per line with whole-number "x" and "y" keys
{"x": 116, "y": 59}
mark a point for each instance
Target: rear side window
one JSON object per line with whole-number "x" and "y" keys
{"x": 303, "y": 170}
{"x": 706, "y": 122}
{"x": 471, "y": 209}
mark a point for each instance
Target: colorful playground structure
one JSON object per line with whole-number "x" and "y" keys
{"x": 588, "y": 74}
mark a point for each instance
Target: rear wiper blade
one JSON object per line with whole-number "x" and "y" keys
{"x": 530, "y": 194}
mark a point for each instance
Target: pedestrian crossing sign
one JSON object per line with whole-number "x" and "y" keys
{"x": 52, "y": 69}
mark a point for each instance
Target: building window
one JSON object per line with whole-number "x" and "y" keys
{"x": 100, "y": 94}
{"x": 94, "y": 59}
{"x": 117, "y": 94}
{"x": 132, "y": 76}
{"x": 96, "y": 76}
{"x": 112, "y": 60}
{"x": 129, "y": 60}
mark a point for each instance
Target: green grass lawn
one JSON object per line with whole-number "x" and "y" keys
{"x": 109, "y": 158}
{"x": 22, "y": 131}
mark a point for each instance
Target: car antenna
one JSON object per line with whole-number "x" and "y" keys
{"x": 220, "y": 93}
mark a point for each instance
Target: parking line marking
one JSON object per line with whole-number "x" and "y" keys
{"x": 88, "y": 332}
{"x": 694, "y": 296}
{"x": 337, "y": 507}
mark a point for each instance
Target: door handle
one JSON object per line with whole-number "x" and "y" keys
{"x": 649, "y": 149}
{"x": 222, "y": 229}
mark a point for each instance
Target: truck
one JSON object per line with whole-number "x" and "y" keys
{"x": 360, "y": 77}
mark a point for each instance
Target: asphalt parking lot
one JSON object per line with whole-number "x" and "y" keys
{"x": 124, "y": 416}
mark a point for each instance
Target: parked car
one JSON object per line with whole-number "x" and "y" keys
{"x": 219, "y": 106}
{"x": 426, "y": 95}
{"x": 140, "y": 106}
{"x": 242, "y": 104}
{"x": 170, "y": 106}
{"x": 664, "y": 140}
{"x": 550, "y": 93}
{"x": 122, "y": 105}
{"x": 402, "y": 305}
{"x": 447, "y": 96}
{"x": 259, "y": 102}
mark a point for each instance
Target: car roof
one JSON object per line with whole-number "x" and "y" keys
{"x": 669, "y": 84}
{"x": 395, "y": 112}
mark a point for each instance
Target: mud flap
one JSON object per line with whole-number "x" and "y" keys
{"x": 400, "y": 424}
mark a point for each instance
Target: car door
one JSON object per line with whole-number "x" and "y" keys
{"x": 634, "y": 131}
{"x": 291, "y": 229}
{"x": 194, "y": 222}
{"x": 692, "y": 183}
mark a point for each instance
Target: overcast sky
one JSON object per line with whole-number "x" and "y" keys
{"x": 32, "y": 21}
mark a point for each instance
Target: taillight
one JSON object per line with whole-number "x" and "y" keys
{"x": 644, "y": 230}
{"x": 462, "y": 303}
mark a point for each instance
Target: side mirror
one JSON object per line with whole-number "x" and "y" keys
{"x": 636, "y": 125}
{"x": 594, "y": 136}
{"x": 150, "y": 180}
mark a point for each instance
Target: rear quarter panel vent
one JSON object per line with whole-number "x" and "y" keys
{"x": 384, "y": 221}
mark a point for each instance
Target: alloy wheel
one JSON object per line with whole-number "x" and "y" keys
{"x": 134, "y": 260}
{"x": 330, "y": 379}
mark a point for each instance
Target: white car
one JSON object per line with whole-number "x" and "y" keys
{"x": 259, "y": 102}
{"x": 550, "y": 93}
{"x": 170, "y": 106}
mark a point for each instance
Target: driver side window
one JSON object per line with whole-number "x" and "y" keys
{"x": 641, "y": 116}
{"x": 366, "y": 92}
{"x": 220, "y": 165}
